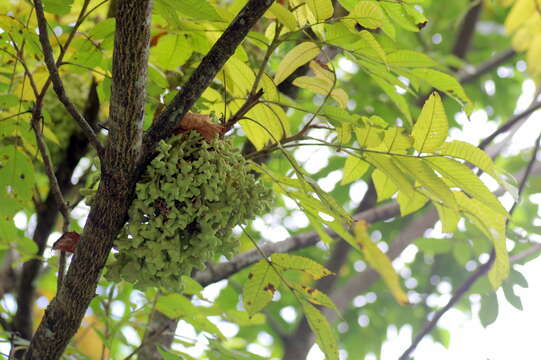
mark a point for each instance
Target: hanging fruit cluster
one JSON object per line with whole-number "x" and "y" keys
{"x": 193, "y": 193}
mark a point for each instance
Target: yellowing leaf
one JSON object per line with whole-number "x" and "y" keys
{"x": 265, "y": 123}
{"x": 294, "y": 59}
{"x": 387, "y": 166}
{"x": 396, "y": 98}
{"x": 445, "y": 83}
{"x": 462, "y": 176}
{"x": 322, "y": 9}
{"x": 379, "y": 262}
{"x": 425, "y": 176}
{"x": 340, "y": 96}
{"x": 521, "y": 11}
{"x": 283, "y": 15}
{"x": 430, "y": 130}
{"x": 301, "y": 263}
{"x": 385, "y": 187}
{"x": 354, "y": 169}
{"x": 493, "y": 226}
{"x": 325, "y": 335}
{"x": 410, "y": 205}
{"x": 396, "y": 141}
{"x": 321, "y": 72}
{"x": 368, "y": 14}
{"x": 370, "y": 40}
{"x": 448, "y": 217}
{"x": 171, "y": 51}
{"x": 259, "y": 288}
{"x": 314, "y": 84}
{"x": 313, "y": 295}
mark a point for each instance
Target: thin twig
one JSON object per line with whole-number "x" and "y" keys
{"x": 57, "y": 82}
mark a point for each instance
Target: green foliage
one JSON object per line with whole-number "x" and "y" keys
{"x": 187, "y": 203}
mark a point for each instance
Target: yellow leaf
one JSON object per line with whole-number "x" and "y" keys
{"x": 325, "y": 335}
{"x": 385, "y": 187}
{"x": 300, "y": 263}
{"x": 340, "y": 96}
{"x": 294, "y": 59}
{"x": 379, "y": 262}
{"x": 368, "y": 14}
{"x": 354, "y": 169}
{"x": 258, "y": 290}
{"x": 322, "y": 9}
{"x": 283, "y": 15}
{"x": 493, "y": 226}
{"x": 430, "y": 130}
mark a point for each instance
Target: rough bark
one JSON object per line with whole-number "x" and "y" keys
{"x": 63, "y": 316}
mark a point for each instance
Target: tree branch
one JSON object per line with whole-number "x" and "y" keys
{"x": 57, "y": 82}
{"x": 467, "y": 30}
{"x": 47, "y": 213}
{"x": 119, "y": 164}
{"x": 220, "y": 52}
{"x": 296, "y": 242}
{"x": 501, "y": 58}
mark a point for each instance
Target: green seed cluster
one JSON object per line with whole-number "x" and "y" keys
{"x": 192, "y": 195}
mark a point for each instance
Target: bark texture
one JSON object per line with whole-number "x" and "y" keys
{"x": 63, "y": 316}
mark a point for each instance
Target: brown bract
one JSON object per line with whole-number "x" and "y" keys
{"x": 67, "y": 242}
{"x": 200, "y": 123}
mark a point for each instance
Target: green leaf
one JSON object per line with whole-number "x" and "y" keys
{"x": 379, "y": 262}
{"x": 59, "y": 7}
{"x": 410, "y": 205}
{"x": 463, "y": 177}
{"x": 385, "y": 164}
{"x": 462, "y": 252}
{"x": 314, "y": 84}
{"x": 262, "y": 283}
{"x": 322, "y": 9}
{"x": 425, "y": 176}
{"x": 175, "y": 306}
{"x": 190, "y": 286}
{"x": 445, "y": 83}
{"x": 430, "y": 129}
{"x": 354, "y": 169}
{"x": 195, "y": 9}
{"x": 448, "y": 217}
{"x": 369, "y": 40}
{"x": 471, "y": 154}
{"x": 489, "y": 309}
{"x": 409, "y": 58}
{"x": 368, "y": 14}
{"x": 434, "y": 245}
{"x": 171, "y": 51}
{"x": 385, "y": 187}
{"x": 283, "y": 15}
{"x": 325, "y": 336}
{"x": 16, "y": 174}
{"x": 8, "y": 100}
{"x": 300, "y": 263}
{"x": 294, "y": 59}
{"x": 511, "y": 297}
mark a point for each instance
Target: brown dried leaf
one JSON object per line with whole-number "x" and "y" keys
{"x": 200, "y": 123}
{"x": 67, "y": 242}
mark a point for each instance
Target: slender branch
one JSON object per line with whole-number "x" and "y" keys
{"x": 47, "y": 213}
{"x": 296, "y": 242}
{"x": 479, "y": 272}
{"x": 57, "y": 82}
{"x": 509, "y": 124}
{"x": 465, "y": 77}
{"x": 467, "y": 30}
{"x": 220, "y": 52}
